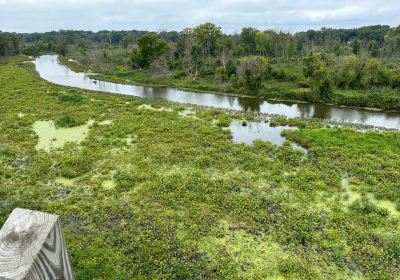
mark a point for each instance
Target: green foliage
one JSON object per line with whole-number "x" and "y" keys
{"x": 66, "y": 121}
{"x": 149, "y": 49}
{"x": 221, "y": 74}
{"x": 122, "y": 71}
{"x": 319, "y": 74}
{"x": 288, "y": 155}
{"x": 347, "y": 72}
{"x": 293, "y": 268}
{"x": 373, "y": 48}
{"x": 73, "y": 161}
{"x": 311, "y": 63}
{"x": 375, "y": 75}
{"x": 70, "y": 98}
{"x": 207, "y": 36}
{"x": 251, "y": 70}
{"x": 352, "y": 72}
{"x": 361, "y": 62}
{"x": 248, "y": 39}
{"x": 356, "y": 47}
{"x": 392, "y": 39}
{"x": 263, "y": 42}
{"x": 61, "y": 46}
{"x": 9, "y": 44}
{"x": 324, "y": 84}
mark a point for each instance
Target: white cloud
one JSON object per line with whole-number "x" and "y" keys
{"x": 43, "y": 15}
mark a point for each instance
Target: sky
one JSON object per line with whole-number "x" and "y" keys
{"x": 158, "y": 15}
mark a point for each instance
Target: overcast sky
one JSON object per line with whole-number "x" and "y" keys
{"x": 231, "y": 15}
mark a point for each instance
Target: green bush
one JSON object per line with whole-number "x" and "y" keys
{"x": 66, "y": 122}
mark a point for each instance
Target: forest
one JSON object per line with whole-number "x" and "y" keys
{"x": 351, "y": 67}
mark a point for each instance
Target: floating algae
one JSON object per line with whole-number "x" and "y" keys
{"x": 260, "y": 256}
{"x": 130, "y": 140}
{"x": 149, "y": 107}
{"x": 108, "y": 184}
{"x": 351, "y": 196}
{"x": 51, "y": 137}
{"x": 188, "y": 114}
{"x": 65, "y": 181}
{"x": 106, "y": 122}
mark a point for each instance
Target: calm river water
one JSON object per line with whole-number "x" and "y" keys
{"x": 53, "y": 71}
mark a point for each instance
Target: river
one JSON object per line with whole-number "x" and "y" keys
{"x": 52, "y": 70}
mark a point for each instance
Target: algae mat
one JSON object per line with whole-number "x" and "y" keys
{"x": 51, "y": 137}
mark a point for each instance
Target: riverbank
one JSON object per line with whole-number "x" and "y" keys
{"x": 378, "y": 99}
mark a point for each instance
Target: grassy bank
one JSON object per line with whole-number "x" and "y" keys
{"x": 146, "y": 193}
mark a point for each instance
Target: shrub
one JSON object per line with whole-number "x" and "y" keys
{"x": 66, "y": 122}
{"x": 121, "y": 71}
{"x": 221, "y": 74}
{"x": 180, "y": 74}
{"x": 323, "y": 84}
{"x": 251, "y": 70}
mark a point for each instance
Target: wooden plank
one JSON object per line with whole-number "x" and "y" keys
{"x": 32, "y": 246}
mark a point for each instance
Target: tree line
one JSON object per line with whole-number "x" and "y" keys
{"x": 318, "y": 60}
{"x": 9, "y": 44}
{"x": 329, "y": 58}
{"x": 378, "y": 40}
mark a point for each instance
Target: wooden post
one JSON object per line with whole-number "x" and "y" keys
{"x": 32, "y": 246}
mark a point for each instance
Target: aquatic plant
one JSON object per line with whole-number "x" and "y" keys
{"x": 183, "y": 201}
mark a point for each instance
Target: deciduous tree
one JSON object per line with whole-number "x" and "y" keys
{"x": 251, "y": 70}
{"x": 149, "y": 48}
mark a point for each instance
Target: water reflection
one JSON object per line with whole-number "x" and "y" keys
{"x": 251, "y": 131}
{"x": 51, "y": 70}
{"x": 249, "y": 104}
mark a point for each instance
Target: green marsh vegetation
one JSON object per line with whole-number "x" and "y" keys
{"x": 157, "y": 190}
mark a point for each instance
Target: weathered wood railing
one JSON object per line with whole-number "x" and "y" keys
{"x": 32, "y": 246}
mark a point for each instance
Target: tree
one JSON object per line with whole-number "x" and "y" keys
{"x": 2, "y": 45}
{"x": 392, "y": 41}
{"x": 320, "y": 76}
{"x": 61, "y": 46}
{"x": 226, "y": 52}
{"x": 261, "y": 41}
{"x": 323, "y": 84}
{"x": 125, "y": 41}
{"x": 339, "y": 48}
{"x": 356, "y": 47}
{"x": 221, "y": 74}
{"x": 207, "y": 36}
{"x": 311, "y": 63}
{"x": 248, "y": 39}
{"x": 190, "y": 53}
{"x": 287, "y": 45}
{"x": 9, "y": 44}
{"x": 373, "y": 48}
{"x": 251, "y": 70}
{"x": 149, "y": 48}
{"x": 374, "y": 74}
{"x": 346, "y": 71}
